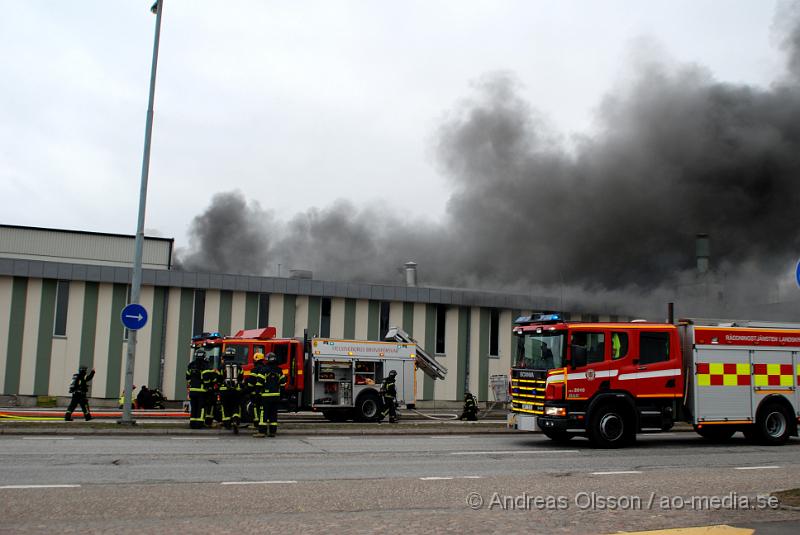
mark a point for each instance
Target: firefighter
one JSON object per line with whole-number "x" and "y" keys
{"x": 210, "y": 377}
{"x": 230, "y": 390}
{"x": 274, "y": 382}
{"x": 197, "y": 389}
{"x": 388, "y": 396}
{"x": 470, "y": 412}
{"x": 79, "y": 388}
{"x": 255, "y": 385}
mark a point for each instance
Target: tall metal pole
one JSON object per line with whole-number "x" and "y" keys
{"x": 136, "y": 283}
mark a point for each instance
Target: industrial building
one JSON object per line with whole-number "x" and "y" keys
{"x": 61, "y": 294}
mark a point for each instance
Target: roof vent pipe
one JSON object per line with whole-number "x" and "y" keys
{"x": 411, "y": 274}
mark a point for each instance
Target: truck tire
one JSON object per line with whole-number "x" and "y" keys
{"x": 337, "y": 415}
{"x": 368, "y": 407}
{"x": 610, "y": 426}
{"x": 772, "y": 425}
{"x": 559, "y": 437}
{"x": 716, "y": 433}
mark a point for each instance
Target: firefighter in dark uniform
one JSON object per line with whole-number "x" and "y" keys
{"x": 274, "y": 381}
{"x": 230, "y": 391}
{"x": 470, "y": 411}
{"x": 211, "y": 382}
{"x": 388, "y": 396}
{"x": 79, "y": 388}
{"x": 197, "y": 390}
{"x": 255, "y": 384}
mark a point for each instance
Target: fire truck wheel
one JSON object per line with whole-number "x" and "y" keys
{"x": 716, "y": 433}
{"x": 772, "y": 425}
{"x": 558, "y": 436}
{"x": 368, "y": 407}
{"x": 610, "y": 426}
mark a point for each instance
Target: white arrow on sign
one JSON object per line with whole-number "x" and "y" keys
{"x": 138, "y": 316}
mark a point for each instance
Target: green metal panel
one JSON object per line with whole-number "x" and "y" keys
{"x": 16, "y": 332}
{"x": 484, "y": 332}
{"x": 119, "y": 298}
{"x": 314, "y": 316}
{"x": 225, "y": 312}
{"x": 251, "y": 311}
{"x": 89, "y": 325}
{"x": 430, "y": 347}
{"x": 350, "y": 318}
{"x": 184, "y": 337}
{"x": 157, "y": 335}
{"x": 408, "y": 318}
{"x": 289, "y": 312}
{"x": 462, "y": 352}
{"x": 373, "y": 320}
{"x": 44, "y": 338}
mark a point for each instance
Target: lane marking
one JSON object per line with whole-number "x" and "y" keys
{"x": 39, "y": 486}
{"x": 48, "y": 438}
{"x": 256, "y": 482}
{"x": 329, "y": 438}
{"x": 511, "y": 452}
{"x": 616, "y": 473}
{"x": 472, "y": 477}
{"x": 756, "y": 467}
{"x": 194, "y": 438}
{"x": 448, "y": 436}
{"x": 434, "y": 478}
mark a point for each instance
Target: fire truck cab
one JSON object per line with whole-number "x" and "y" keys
{"x": 609, "y": 381}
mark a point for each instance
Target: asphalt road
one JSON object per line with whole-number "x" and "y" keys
{"x": 407, "y": 484}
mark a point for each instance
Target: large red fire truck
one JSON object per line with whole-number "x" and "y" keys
{"x": 340, "y": 378}
{"x": 610, "y": 381}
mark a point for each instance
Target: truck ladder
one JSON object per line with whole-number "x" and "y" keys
{"x": 425, "y": 362}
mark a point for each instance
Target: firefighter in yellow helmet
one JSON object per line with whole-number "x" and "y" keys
{"x": 255, "y": 384}
{"x": 274, "y": 381}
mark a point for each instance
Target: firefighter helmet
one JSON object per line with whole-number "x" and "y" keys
{"x": 272, "y": 358}
{"x": 392, "y": 373}
{"x": 199, "y": 354}
{"x": 230, "y": 351}
{"x": 258, "y": 356}
{"x": 82, "y": 369}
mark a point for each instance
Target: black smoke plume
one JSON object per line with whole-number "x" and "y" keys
{"x": 608, "y": 223}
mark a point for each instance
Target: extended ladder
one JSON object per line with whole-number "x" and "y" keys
{"x": 425, "y": 362}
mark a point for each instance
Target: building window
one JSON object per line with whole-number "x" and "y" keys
{"x": 494, "y": 333}
{"x": 62, "y": 303}
{"x": 263, "y": 310}
{"x": 325, "y": 317}
{"x": 384, "y": 323}
{"x": 199, "y": 311}
{"x": 441, "y": 322}
{"x": 125, "y": 331}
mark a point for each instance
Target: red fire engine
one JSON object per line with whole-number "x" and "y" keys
{"x": 609, "y": 381}
{"x": 340, "y": 378}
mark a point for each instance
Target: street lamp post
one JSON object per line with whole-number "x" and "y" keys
{"x": 136, "y": 282}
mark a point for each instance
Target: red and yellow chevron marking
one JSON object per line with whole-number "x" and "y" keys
{"x": 773, "y": 375}
{"x": 723, "y": 374}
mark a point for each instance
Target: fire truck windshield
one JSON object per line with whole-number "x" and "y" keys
{"x": 540, "y": 351}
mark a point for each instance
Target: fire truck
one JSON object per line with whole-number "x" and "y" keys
{"x": 610, "y": 381}
{"x": 340, "y": 378}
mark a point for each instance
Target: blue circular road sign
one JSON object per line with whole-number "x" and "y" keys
{"x": 798, "y": 273}
{"x": 134, "y": 316}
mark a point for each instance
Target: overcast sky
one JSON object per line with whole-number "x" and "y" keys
{"x": 298, "y": 103}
